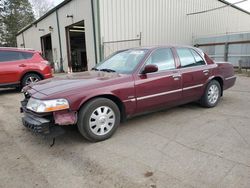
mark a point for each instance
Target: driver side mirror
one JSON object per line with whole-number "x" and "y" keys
{"x": 150, "y": 69}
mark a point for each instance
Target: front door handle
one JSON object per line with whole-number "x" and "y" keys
{"x": 176, "y": 77}
{"x": 206, "y": 72}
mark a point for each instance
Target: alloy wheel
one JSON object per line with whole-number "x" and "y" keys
{"x": 213, "y": 94}
{"x": 31, "y": 79}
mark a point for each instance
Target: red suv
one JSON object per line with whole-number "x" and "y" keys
{"x": 20, "y": 67}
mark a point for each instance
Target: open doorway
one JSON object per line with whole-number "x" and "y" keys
{"x": 76, "y": 46}
{"x": 46, "y": 44}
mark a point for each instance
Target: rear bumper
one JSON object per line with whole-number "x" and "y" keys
{"x": 229, "y": 82}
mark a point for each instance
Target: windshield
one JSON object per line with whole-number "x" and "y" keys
{"x": 123, "y": 62}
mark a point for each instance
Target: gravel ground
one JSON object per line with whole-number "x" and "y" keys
{"x": 187, "y": 146}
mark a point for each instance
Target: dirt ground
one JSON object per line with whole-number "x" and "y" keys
{"x": 187, "y": 146}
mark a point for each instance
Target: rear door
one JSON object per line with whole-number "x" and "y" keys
{"x": 12, "y": 63}
{"x": 194, "y": 73}
{"x": 158, "y": 89}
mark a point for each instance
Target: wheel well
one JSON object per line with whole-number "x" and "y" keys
{"x": 32, "y": 72}
{"x": 219, "y": 79}
{"x": 116, "y": 100}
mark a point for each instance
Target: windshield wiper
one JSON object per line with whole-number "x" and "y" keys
{"x": 95, "y": 69}
{"x": 107, "y": 70}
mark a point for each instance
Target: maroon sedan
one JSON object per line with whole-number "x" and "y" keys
{"x": 128, "y": 83}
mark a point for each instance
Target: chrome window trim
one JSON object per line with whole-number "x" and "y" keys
{"x": 182, "y": 68}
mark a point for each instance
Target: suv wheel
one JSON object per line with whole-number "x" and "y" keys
{"x": 212, "y": 94}
{"x": 98, "y": 119}
{"x": 30, "y": 78}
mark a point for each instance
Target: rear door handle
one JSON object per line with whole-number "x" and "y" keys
{"x": 22, "y": 65}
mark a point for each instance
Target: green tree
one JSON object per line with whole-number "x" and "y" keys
{"x": 1, "y": 23}
{"x": 15, "y": 15}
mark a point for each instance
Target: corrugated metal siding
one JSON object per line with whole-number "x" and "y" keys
{"x": 166, "y": 21}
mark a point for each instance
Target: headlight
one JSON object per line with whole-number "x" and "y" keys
{"x": 47, "y": 105}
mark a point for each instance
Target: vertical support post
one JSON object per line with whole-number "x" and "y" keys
{"x": 94, "y": 29}
{"x": 240, "y": 66}
{"x": 98, "y": 31}
{"x": 140, "y": 39}
{"x": 23, "y": 40}
{"x": 60, "y": 43}
{"x": 102, "y": 49}
{"x": 226, "y": 52}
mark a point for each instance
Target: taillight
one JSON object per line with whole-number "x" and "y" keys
{"x": 46, "y": 62}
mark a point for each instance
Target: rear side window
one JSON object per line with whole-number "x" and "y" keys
{"x": 189, "y": 57}
{"x": 198, "y": 58}
{"x": 27, "y": 55}
{"x": 163, "y": 58}
{"x": 10, "y": 56}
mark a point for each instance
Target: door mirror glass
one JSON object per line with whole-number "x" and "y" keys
{"x": 150, "y": 68}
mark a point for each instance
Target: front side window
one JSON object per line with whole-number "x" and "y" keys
{"x": 123, "y": 62}
{"x": 189, "y": 58}
{"x": 163, "y": 58}
{"x": 6, "y": 56}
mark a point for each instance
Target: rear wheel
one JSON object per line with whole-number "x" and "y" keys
{"x": 212, "y": 94}
{"x": 98, "y": 119}
{"x": 30, "y": 78}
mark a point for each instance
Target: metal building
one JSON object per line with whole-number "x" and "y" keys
{"x": 78, "y": 33}
{"x": 234, "y": 48}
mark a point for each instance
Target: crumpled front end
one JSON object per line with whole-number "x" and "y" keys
{"x": 46, "y": 124}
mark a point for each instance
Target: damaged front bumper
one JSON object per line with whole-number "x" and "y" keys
{"x": 46, "y": 124}
{"x": 36, "y": 124}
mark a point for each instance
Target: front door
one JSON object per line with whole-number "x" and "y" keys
{"x": 159, "y": 89}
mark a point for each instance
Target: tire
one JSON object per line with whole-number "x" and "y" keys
{"x": 212, "y": 94}
{"x": 98, "y": 119}
{"x": 30, "y": 78}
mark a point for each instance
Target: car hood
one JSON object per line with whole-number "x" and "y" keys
{"x": 75, "y": 81}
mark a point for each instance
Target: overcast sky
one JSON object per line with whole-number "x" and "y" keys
{"x": 57, "y": 1}
{"x": 245, "y": 5}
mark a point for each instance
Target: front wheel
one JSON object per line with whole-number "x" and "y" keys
{"x": 212, "y": 94}
{"x": 98, "y": 119}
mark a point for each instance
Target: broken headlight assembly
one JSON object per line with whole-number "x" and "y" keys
{"x": 41, "y": 106}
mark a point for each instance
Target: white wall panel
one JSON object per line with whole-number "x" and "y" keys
{"x": 166, "y": 21}
{"x": 159, "y": 21}
{"x": 81, "y": 10}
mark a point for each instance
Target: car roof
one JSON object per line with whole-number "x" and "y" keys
{"x": 18, "y": 49}
{"x": 164, "y": 46}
